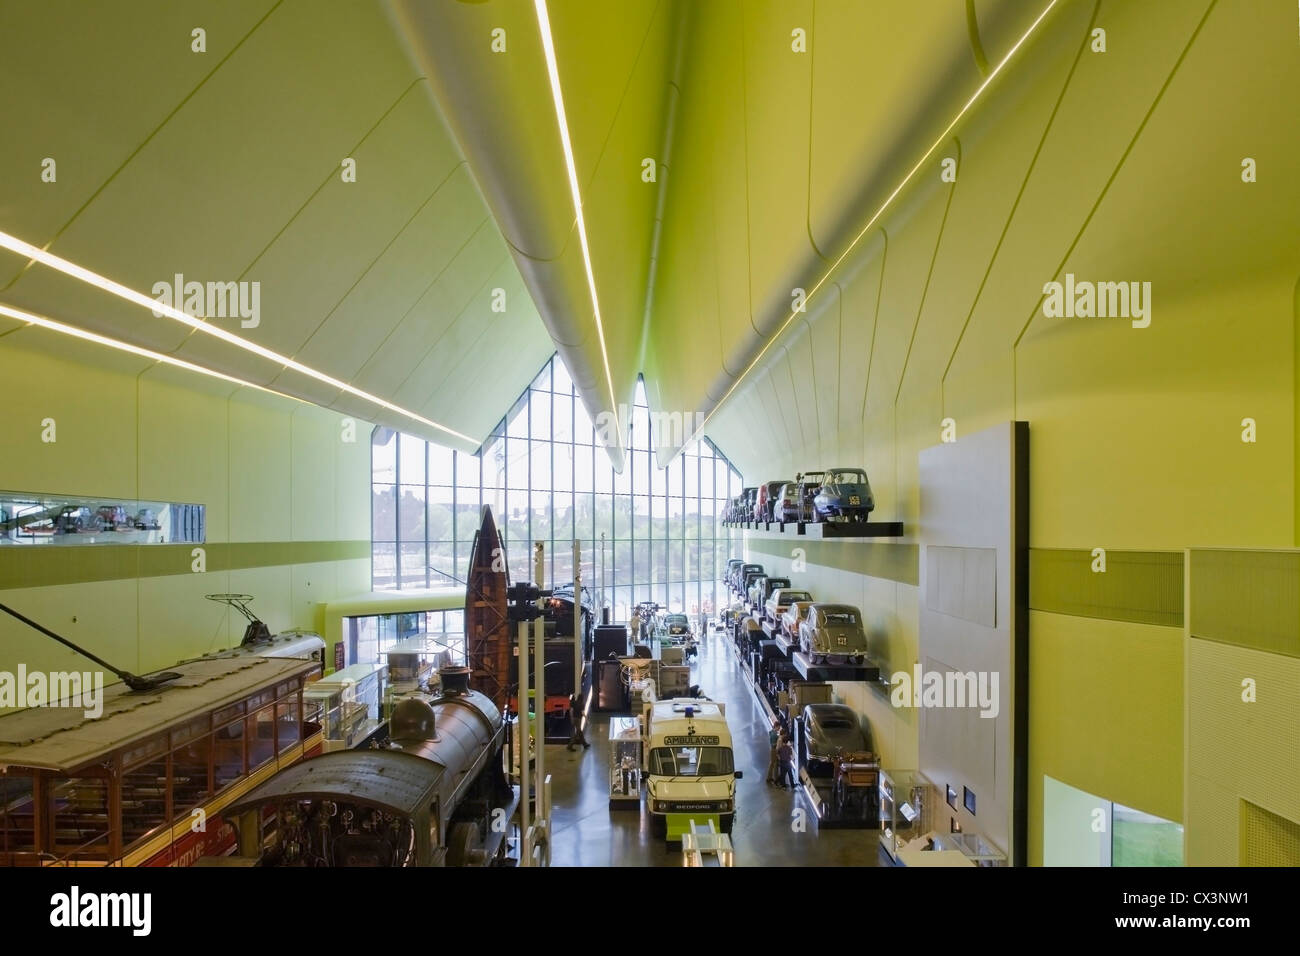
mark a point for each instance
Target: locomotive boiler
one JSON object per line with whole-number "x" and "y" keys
{"x": 434, "y": 794}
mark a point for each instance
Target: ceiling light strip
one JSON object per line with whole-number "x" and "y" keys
{"x": 41, "y": 321}
{"x": 48, "y": 259}
{"x": 552, "y": 69}
{"x": 879, "y": 212}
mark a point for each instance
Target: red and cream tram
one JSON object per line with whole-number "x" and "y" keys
{"x": 144, "y": 784}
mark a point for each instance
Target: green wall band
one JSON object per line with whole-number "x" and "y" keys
{"x": 34, "y": 567}
{"x": 877, "y": 559}
{"x": 1247, "y": 598}
{"x": 1142, "y": 587}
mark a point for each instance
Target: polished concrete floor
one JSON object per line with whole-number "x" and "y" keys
{"x": 588, "y": 833}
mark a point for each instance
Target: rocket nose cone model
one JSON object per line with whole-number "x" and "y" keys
{"x": 487, "y": 636}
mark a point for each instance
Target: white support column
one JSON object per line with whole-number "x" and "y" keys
{"x": 539, "y": 719}
{"x": 522, "y": 731}
{"x": 578, "y": 629}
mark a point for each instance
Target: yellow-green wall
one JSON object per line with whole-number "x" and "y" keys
{"x": 286, "y": 497}
{"x": 1115, "y": 166}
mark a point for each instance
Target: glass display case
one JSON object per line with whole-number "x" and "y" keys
{"x": 414, "y": 667}
{"x": 973, "y": 846}
{"x": 410, "y": 662}
{"x": 624, "y": 763}
{"x": 359, "y": 689}
{"x": 905, "y": 808}
{"x": 41, "y": 519}
{"x": 323, "y": 705}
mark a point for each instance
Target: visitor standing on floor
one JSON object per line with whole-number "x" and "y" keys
{"x": 773, "y": 739}
{"x": 785, "y": 753}
{"x": 575, "y": 718}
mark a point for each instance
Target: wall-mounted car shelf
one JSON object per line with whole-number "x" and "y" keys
{"x": 821, "y": 529}
{"x": 876, "y": 674}
{"x": 882, "y": 683}
{"x": 868, "y": 673}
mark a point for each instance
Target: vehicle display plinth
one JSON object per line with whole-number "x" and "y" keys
{"x": 859, "y": 815}
{"x": 824, "y": 529}
{"x": 868, "y": 672}
{"x": 853, "y": 529}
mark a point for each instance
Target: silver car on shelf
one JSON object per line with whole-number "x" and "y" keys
{"x": 833, "y": 634}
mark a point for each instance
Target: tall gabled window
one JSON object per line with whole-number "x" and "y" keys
{"x": 648, "y": 534}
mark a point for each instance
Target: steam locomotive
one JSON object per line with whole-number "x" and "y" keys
{"x": 435, "y": 794}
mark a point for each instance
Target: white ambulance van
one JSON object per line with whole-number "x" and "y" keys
{"x": 689, "y": 766}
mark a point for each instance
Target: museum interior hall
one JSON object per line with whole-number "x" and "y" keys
{"x": 650, "y": 433}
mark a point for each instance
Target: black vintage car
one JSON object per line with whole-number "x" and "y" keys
{"x": 733, "y": 565}
{"x": 748, "y": 497}
{"x": 828, "y": 730}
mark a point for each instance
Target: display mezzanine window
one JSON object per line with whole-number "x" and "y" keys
{"x": 548, "y": 480}
{"x": 45, "y": 519}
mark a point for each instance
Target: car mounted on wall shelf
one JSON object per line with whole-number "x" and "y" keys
{"x": 788, "y": 507}
{"x": 767, "y": 493}
{"x": 845, "y": 494}
{"x": 745, "y": 577}
{"x": 762, "y": 589}
{"x": 779, "y": 601}
{"x": 794, "y": 616}
{"x": 733, "y": 565}
{"x": 747, "y": 498}
{"x": 833, "y": 634}
{"x": 830, "y": 730}
{"x": 808, "y": 483}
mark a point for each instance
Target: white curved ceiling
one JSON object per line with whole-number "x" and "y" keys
{"x": 778, "y": 133}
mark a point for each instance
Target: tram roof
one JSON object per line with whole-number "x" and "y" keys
{"x": 64, "y": 738}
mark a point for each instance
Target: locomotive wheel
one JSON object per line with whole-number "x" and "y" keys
{"x": 460, "y": 843}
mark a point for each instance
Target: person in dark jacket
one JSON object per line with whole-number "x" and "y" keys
{"x": 785, "y": 754}
{"x": 773, "y": 739}
{"x": 575, "y": 717}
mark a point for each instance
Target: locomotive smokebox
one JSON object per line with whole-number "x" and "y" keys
{"x": 455, "y": 680}
{"x": 412, "y": 721}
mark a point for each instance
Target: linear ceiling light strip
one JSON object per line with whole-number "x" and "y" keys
{"x": 41, "y": 321}
{"x": 552, "y": 69}
{"x": 879, "y": 212}
{"x": 16, "y": 245}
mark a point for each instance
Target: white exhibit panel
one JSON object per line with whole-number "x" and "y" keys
{"x": 971, "y": 680}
